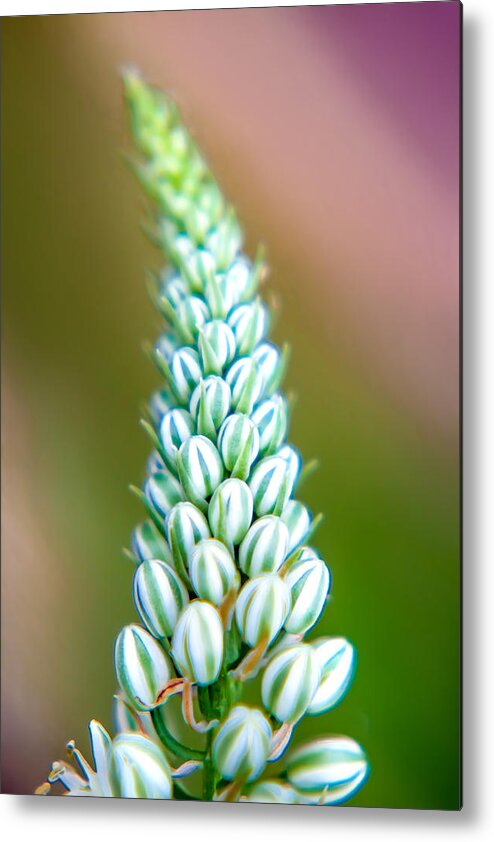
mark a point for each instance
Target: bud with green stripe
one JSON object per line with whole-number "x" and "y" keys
{"x": 272, "y": 791}
{"x": 162, "y": 492}
{"x": 185, "y": 527}
{"x": 245, "y": 383}
{"x": 309, "y": 580}
{"x": 197, "y": 643}
{"x": 200, "y": 469}
{"x": 212, "y": 571}
{"x": 326, "y": 765}
{"x": 298, "y": 520}
{"x": 216, "y": 346}
{"x": 210, "y": 404}
{"x": 160, "y": 597}
{"x": 138, "y": 768}
{"x": 241, "y": 744}
{"x": 141, "y": 665}
{"x": 238, "y": 442}
{"x": 147, "y": 542}
{"x": 230, "y": 511}
{"x": 176, "y": 426}
{"x": 261, "y": 609}
{"x": 289, "y": 682}
{"x": 265, "y": 546}
{"x": 271, "y": 486}
{"x": 186, "y": 372}
{"x": 249, "y": 323}
{"x": 336, "y": 657}
{"x": 271, "y": 420}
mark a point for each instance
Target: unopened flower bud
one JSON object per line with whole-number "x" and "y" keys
{"x": 192, "y": 313}
{"x": 271, "y": 486}
{"x": 297, "y": 518}
{"x": 210, "y": 404}
{"x": 174, "y": 289}
{"x": 162, "y": 491}
{"x": 327, "y": 764}
{"x": 197, "y": 644}
{"x": 139, "y": 768}
{"x": 238, "y": 443}
{"x": 289, "y": 682}
{"x": 261, "y": 609}
{"x": 249, "y": 323}
{"x": 294, "y": 461}
{"x": 165, "y": 347}
{"x": 200, "y": 468}
{"x": 217, "y": 346}
{"x": 264, "y": 548}
{"x": 160, "y": 597}
{"x": 241, "y": 278}
{"x": 185, "y": 527}
{"x": 336, "y": 658}
{"x": 271, "y": 791}
{"x": 176, "y": 426}
{"x": 308, "y": 579}
{"x": 141, "y": 665}
{"x": 271, "y": 419}
{"x": 269, "y": 366}
{"x": 212, "y": 571}
{"x": 186, "y": 372}
{"x": 159, "y": 404}
{"x": 245, "y": 383}
{"x": 241, "y": 744}
{"x": 146, "y": 542}
{"x": 230, "y": 511}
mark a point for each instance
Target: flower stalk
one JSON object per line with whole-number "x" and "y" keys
{"x": 226, "y": 584}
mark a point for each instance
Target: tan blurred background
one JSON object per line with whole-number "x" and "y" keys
{"x": 335, "y": 133}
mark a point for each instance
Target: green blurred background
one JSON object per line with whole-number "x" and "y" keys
{"x": 335, "y": 134}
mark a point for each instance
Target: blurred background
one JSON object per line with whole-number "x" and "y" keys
{"x": 335, "y": 133}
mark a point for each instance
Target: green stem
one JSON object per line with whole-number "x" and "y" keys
{"x": 171, "y": 743}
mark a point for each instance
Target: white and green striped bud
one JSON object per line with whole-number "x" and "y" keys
{"x": 162, "y": 492}
{"x": 238, "y": 442}
{"x": 212, "y": 571}
{"x": 141, "y": 665}
{"x": 200, "y": 468}
{"x": 241, "y": 745}
{"x": 336, "y": 657}
{"x": 330, "y": 765}
{"x": 159, "y": 404}
{"x": 210, "y": 404}
{"x": 216, "y": 346}
{"x": 297, "y": 518}
{"x": 197, "y": 267}
{"x": 271, "y": 486}
{"x": 249, "y": 323}
{"x": 138, "y": 768}
{"x": 294, "y": 461}
{"x": 146, "y": 542}
{"x": 186, "y": 372}
{"x": 197, "y": 643}
{"x": 175, "y": 428}
{"x": 185, "y": 527}
{"x": 261, "y": 609}
{"x": 309, "y": 579}
{"x": 264, "y": 548}
{"x": 242, "y": 278}
{"x": 160, "y": 597}
{"x": 289, "y": 682}
{"x": 230, "y": 511}
{"x": 245, "y": 383}
{"x": 174, "y": 289}
{"x": 271, "y": 419}
{"x": 191, "y": 314}
{"x": 272, "y": 791}
{"x": 269, "y": 364}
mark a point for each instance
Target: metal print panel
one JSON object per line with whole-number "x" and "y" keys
{"x": 282, "y": 625}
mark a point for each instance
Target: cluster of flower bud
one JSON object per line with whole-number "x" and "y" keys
{"x": 225, "y": 585}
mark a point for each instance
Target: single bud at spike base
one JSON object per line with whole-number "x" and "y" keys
{"x": 138, "y": 768}
{"x": 197, "y": 644}
{"x": 326, "y": 763}
{"x": 241, "y": 744}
